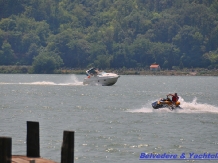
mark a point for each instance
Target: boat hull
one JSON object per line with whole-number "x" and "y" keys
{"x": 104, "y": 81}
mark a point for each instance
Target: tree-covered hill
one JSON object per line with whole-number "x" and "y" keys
{"x": 49, "y": 34}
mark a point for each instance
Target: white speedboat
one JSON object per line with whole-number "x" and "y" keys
{"x": 100, "y": 78}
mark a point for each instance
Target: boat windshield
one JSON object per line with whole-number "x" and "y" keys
{"x": 101, "y": 73}
{"x": 92, "y": 71}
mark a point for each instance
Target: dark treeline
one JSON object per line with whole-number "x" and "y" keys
{"x": 50, "y": 34}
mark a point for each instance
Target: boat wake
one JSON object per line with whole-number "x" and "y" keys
{"x": 186, "y": 107}
{"x": 73, "y": 81}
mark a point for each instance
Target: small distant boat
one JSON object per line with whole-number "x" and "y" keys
{"x": 100, "y": 78}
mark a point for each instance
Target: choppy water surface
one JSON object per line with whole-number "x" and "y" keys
{"x": 111, "y": 124}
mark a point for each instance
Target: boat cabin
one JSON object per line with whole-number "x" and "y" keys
{"x": 92, "y": 71}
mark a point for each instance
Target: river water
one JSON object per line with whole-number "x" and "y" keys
{"x": 111, "y": 123}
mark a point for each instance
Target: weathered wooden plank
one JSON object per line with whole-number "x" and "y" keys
{"x": 19, "y": 160}
{"x": 24, "y": 159}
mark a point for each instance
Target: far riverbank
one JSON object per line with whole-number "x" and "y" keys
{"x": 122, "y": 71}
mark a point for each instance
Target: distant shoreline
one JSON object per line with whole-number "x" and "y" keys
{"x": 121, "y": 71}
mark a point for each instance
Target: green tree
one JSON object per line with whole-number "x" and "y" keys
{"x": 7, "y": 24}
{"x": 140, "y": 51}
{"x": 126, "y": 33}
{"x": 190, "y": 41}
{"x": 6, "y": 54}
{"x": 80, "y": 51}
{"x": 9, "y": 7}
{"x": 33, "y": 51}
{"x": 103, "y": 61}
{"x": 213, "y": 57}
{"x": 46, "y": 62}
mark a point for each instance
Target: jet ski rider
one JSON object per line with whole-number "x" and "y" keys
{"x": 175, "y": 97}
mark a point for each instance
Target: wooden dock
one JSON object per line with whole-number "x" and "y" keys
{"x": 24, "y": 159}
{"x": 33, "y": 147}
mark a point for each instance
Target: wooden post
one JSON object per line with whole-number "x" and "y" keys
{"x": 32, "y": 161}
{"x": 67, "y": 149}
{"x": 33, "y": 139}
{"x": 5, "y": 149}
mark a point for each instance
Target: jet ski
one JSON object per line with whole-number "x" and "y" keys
{"x": 165, "y": 103}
